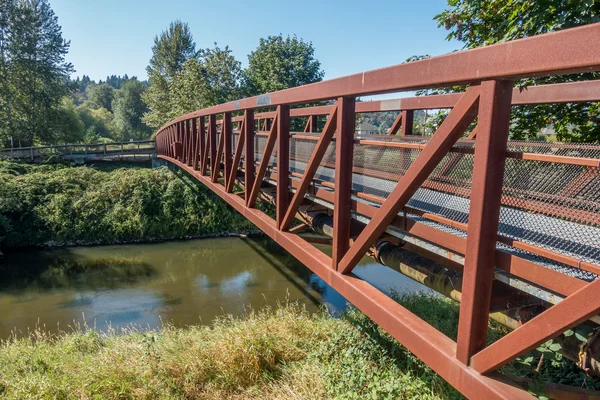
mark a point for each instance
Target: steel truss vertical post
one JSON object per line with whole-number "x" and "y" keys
{"x": 186, "y": 141}
{"x": 212, "y": 140}
{"x": 484, "y": 212}
{"x": 346, "y": 121}
{"x": 196, "y": 144}
{"x": 264, "y": 163}
{"x": 283, "y": 162}
{"x": 407, "y": 122}
{"x": 248, "y": 154}
{"x": 179, "y": 142}
{"x": 216, "y": 168}
{"x": 313, "y": 124}
{"x": 236, "y": 159}
{"x": 227, "y": 131}
{"x": 203, "y": 145}
{"x": 190, "y": 135}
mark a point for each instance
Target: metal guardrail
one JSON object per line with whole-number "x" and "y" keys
{"x": 523, "y": 214}
{"x": 99, "y": 150}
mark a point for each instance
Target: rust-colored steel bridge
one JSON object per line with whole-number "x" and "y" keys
{"x": 511, "y": 229}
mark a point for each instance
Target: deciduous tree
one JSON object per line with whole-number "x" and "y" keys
{"x": 129, "y": 109}
{"x": 477, "y": 23}
{"x": 280, "y": 63}
{"x": 211, "y": 79}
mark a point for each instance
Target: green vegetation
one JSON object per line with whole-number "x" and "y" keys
{"x": 59, "y": 203}
{"x": 477, "y": 23}
{"x": 183, "y": 79}
{"x": 33, "y": 72}
{"x": 270, "y": 354}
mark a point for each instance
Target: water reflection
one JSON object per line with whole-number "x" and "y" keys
{"x": 185, "y": 283}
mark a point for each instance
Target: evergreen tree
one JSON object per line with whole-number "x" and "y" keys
{"x": 5, "y": 90}
{"x": 171, "y": 50}
{"x": 35, "y": 68}
{"x": 101, "y": 96}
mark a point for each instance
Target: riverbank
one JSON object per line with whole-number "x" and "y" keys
{"x": 285, "y": 353}
{"x": 65, "y": 205}
{"x": 282, "y": 353}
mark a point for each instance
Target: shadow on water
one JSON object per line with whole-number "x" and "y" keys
{"x": 297, "y": 274}
{"x": 61, "y": 269}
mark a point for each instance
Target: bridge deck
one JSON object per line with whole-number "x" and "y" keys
{"x": 576, "y": 237}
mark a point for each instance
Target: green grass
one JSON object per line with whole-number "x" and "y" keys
{"x": 59, "y": 204}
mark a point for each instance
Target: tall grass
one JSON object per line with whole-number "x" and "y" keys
{"x": 282, "y": 353}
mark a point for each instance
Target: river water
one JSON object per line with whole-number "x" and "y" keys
{"x": 182, "y": 282}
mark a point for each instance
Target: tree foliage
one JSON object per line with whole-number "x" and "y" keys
{"x": 101, "y": 96}
{"x": 477, "y": 23}
{"x": 171, "y": 50}
{"x": 212, "y": 78}
{"x": 280, "y": 63}
{"x": 128, "y": 111}
{"x": 33, "y": 72}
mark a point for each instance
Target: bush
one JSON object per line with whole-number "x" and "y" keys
{"x": 60, "y": 203}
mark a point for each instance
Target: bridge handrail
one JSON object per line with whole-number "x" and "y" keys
{"x": 557, "y": 53}
{"x": 84, "y": 146}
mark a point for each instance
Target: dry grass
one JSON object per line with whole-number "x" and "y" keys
{"x": 260, "y": 356}
{"x": 283, "y": 353}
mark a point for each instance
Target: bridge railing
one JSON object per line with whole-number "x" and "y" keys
{"x": 524, "y": 213}
{"x": 31, "y": 153}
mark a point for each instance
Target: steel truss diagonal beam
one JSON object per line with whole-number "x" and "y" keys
{"x": 311, "y": 168}
{"x": 570, "y": 312}
{"x": 441, "y": 143}
{"x": 264, "y": 162}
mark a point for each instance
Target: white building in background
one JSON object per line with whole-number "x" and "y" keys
{"x": 365, "y": 128}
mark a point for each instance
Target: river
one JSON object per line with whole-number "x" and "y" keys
{"x": 180, "y": 282}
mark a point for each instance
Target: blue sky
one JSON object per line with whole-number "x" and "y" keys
{"x": 115, "y": 36}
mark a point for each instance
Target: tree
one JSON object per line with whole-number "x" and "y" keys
{"x": 39, "y": 72}
{"x": 98, "y": 125}
{"x": 100, "y": 96}
{"x": 5, "y": 90}
{"x": 280, "y": 63}
{"x": 477, "y": 23}
{"x": 117, "y": 81}
{"x": 129, "y": 109}
{"x": 212, "y": 79}
{"x": 69, "y": 127}
{"x": 171, "y": 50}
{"x": 34, "y": 72}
